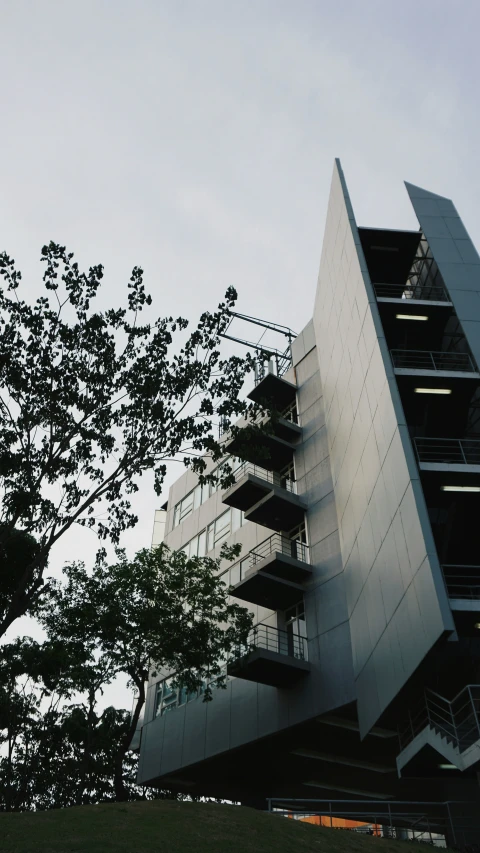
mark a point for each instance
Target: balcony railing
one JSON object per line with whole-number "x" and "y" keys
{"x": 410, "y": 291}
{"x": 462, "y": 581}
{"x": 280, "y": 480}
{"x": 459, "y": 451}
{"x": 456, "y": 720}
{"x": 274, "y": 362}
{"x": 425, "y": 360}
{"x": 290, "y": 413}
{"x": 274, "y": 640}
{"x": 282, "y": 545}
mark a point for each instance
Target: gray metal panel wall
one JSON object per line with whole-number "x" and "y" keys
{"x": 396, "y": 598}
{"x": 326, "y": 610}
{"x": 456, "y": 257}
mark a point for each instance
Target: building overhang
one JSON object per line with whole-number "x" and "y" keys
{"x": 261, "y": 448}
{"x": 284, "y": 566}
{"x": 267, "y": 667}
{"x": 278, "y": 510}
{"x": 266, "y": 590}
{"x": 435, "y": 376}
{"x": 389, "y": 254}
{"x": 246, "y": 492}
{"x": 450, "y": 468}
{"x": 274, "y": 582}
{"x": 412, "y": 305}
{"x": 438, "y": 475}
{"x": 274, "y": 391}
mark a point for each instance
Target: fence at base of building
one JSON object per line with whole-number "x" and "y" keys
{"x": 432, "y": 822}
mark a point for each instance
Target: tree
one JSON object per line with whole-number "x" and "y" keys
{"x": 58, "y": 749}
{"x": 18, "y": 550}
{"x": 161, "y": 608}
{"x": 28, "y": 712}
{"x": 89, "y": 400}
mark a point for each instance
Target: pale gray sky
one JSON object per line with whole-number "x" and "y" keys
{"x": 196, "y": 138}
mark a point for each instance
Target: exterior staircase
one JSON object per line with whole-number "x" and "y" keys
{"x": 450, "y": 727}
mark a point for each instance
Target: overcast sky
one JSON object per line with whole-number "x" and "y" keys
{"x": 196, "y": 138}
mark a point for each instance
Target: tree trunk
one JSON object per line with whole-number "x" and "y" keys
{"x": 121, "y": 793}
{"x": 87, "y": 750}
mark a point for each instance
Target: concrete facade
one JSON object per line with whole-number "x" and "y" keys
{"x": 387, "y": 466}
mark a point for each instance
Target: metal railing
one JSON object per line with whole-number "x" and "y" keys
{"x": 462, "y": 581}
{"x": 273, "y": 640}
{"x": 425, "y": 360}
{"x": 402, "y": 819}
{"x": 461, "y": 451}
{"x": 272, "y": 362}
{"x": 290, "y": 413}
{"x": 281, "y": 544}
{"x": 276, "y": 479}
{"x": 410, "y": 291}
{"x": 457, "y": 720}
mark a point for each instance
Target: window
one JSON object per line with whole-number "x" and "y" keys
{"x": 200, "y": 493}
{"x": 299, "y": 533}
{"x": 167, "y": 697}
{"x": 297, "y": 541}
{"x": 186, "y": 507}
{"x": 223, "y": 527}
{"x": 193, "y": 547}
{"x": 197, "y": 496}
{"x": 296, "y": 629}
{"x": 202, "y": 543}
{"x": 219, "y": 530}
{"x": 287, "y": 473}
{"x": 176, "y": 515}
{"x": 295, "y": 620}
{"x": 215, "y": 534}
{"x": 239, "y": 570}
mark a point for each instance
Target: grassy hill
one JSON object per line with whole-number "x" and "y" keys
{"x": 171, "y": 827}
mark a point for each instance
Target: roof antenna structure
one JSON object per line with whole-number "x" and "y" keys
{"x": 268, "y": 359}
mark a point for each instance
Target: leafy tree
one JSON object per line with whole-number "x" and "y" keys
{"x": 57, "y": 752}
{"x": 90, "y": 399}
{"x": 161, "y": 608}
{"x": 23, "y": 721}
{"x": 76, "y": 760}
{"x": 18, "y": 550}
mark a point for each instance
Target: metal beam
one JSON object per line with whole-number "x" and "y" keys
{"x": 340, "y": 759}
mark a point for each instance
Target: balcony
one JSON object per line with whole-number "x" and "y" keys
{"x": 463, "y": 583}
{"x": 285, "y": 425}
{"x": 277, "y": 568}
{"x": 266, "y": 497}
{"x": 390, "y": 255}
{"x": 270, "y": 386}
{"x": 448, "y": 454}
{"x": 263, "y": 449}
{"x": 271, "y": 656}
{"x": 424, "y": 361}
{"x": 401, "y": 293}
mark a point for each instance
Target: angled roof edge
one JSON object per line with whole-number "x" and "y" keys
{"x": 418, "y": 192}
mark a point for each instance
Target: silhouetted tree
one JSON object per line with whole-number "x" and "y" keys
{"x": 89, "y": 400}
{"x": 161, "y": 608}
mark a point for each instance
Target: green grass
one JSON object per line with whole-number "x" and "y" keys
{"x": 171, "y": 827}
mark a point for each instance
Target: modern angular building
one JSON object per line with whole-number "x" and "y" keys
{"x": 361, "y": 544}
